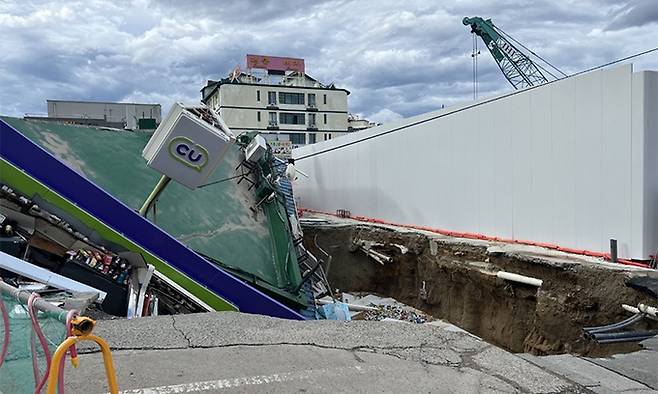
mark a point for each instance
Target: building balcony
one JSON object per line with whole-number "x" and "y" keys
{"x": 311, "y": 108}
{"x": 273, "y": 126}
{"x": 272, "y": 106}
{"x": 312, "y": 127}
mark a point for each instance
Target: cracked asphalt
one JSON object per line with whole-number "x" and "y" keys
{"x": 234, "y": 352}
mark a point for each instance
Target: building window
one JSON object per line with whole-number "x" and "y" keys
{"x": 311, "y": 99}
{"x": 257, "y": 95}
{"x": 271, "y": 98}
{"x": 325, "y": 99}
{"x": 273, "y": 119}
{"x": 298, "y": 138}
{"x": 311, "y": 138}
{"x": 291, "y": 98}
{"x": 311, "y": 120}
{"x": 258, "y": 116}
{"x": 291, "y": 118}
{"x": 325, "y": 118}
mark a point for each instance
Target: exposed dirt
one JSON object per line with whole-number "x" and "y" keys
{"x": 461, "y": 287}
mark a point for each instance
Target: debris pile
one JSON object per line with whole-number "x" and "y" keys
{"x": 376, "y": 308}
{"x": 41, "y": 251}
{"x": 111, "y": 266}
{"x": 395, "y": 312}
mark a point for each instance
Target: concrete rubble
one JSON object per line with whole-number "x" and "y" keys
{"x": 385, "y": 308}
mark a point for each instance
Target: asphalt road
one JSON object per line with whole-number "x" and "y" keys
{"x": 232, "y": 352}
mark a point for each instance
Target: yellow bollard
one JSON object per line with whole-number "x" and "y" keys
{"x": 53, "y": 374}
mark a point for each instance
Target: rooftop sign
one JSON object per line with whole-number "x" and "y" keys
{"x": 275, "y": 63}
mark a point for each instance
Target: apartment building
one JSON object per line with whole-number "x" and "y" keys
{"x": 282, "y": 101}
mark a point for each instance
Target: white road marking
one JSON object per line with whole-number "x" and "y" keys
{"x": 229, "y": 383}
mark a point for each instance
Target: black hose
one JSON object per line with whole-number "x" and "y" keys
{"x": 615, "y": 326}
{"x": 626, "y": 339}
{"x": 623, "y": 334}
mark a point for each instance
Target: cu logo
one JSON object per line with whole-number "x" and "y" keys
{"x": 188, "y": 152}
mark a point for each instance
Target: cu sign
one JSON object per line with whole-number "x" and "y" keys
{"x": 188, "y": 152}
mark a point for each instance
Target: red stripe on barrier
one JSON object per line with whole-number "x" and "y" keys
{"x": 457, "y": 234}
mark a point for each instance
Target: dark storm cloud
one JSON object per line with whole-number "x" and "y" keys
{"x": 397, "y": 58}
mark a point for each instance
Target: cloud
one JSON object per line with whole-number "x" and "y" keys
{"x": 634, "y": 14}
{"x": 384, "y": 116}
{"x": 396, "y": 58}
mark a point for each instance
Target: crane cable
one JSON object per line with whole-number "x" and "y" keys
{"x": 474, "y": 55}
{"x": 474, "y": 72}
{"x": 474, "y": 105}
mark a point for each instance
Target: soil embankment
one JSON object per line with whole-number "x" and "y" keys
{"x": 455, "y": 280}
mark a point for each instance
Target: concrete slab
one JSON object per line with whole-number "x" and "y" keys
{"x": 528, "y": 376}
{"x": 247, "y": 353}
{"x": 587, "y": 373}
{"x": 641, "y": 366}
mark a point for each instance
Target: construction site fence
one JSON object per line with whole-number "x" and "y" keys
{"x": 23, "y": 360}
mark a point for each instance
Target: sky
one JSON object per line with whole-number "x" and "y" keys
{"x": 397, "y": 58}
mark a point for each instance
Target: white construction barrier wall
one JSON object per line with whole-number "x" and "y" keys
{"x": 572, "y": 163}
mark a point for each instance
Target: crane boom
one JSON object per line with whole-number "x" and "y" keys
{"x": 519, "y": 70}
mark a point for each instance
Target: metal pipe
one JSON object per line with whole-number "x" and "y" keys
{"x": 519, "y": 278}
{"x": 159, "y": 187}
{"x": 47, "y": 277}
{"x": 40, "y": 304}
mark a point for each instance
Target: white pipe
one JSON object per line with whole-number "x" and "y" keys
{"x": 630, "y": 308}
{"x": 519, "y": 278}
{"x": 649, "y": 310}
{"x": 635, "y": 311}
{"x": 351, "y": 307}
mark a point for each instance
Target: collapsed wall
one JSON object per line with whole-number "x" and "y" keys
{"x": 570, "y": 163}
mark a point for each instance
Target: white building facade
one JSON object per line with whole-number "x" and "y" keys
{"x": 570, "y": 163}
{"x": 297, "y": 109}
{"x": 122, "y": 115}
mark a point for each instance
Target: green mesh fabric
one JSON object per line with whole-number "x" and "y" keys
{"x": 16, "y": 373}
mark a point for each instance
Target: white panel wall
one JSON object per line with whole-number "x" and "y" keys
{"x": 572, "y": 163}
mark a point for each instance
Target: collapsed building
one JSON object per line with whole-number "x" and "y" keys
{"x": 70, "y": 196}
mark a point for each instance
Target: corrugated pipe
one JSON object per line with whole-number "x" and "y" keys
{"x": 467, "y": 235}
